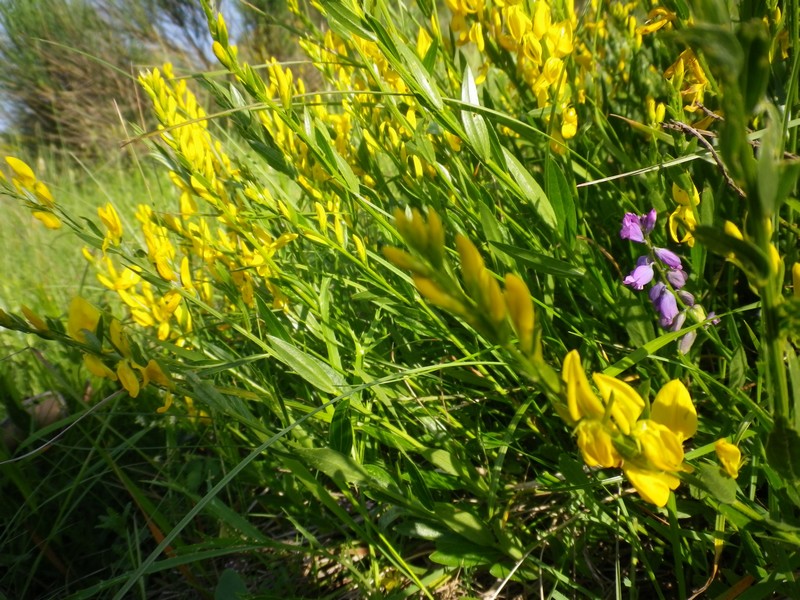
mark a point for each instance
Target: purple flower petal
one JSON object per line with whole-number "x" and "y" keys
{"x": 631, "y": 228}
{"x": 665, "y": 304}
{"x": 677, "y": 278}
{"x": 686, "y": 298}
{"x": 668, "y": 307}
{"x": 685, "y": 343}
{"x": 641, "y": 275}
{"x": 655, "y": 292}
{"x": 678, "y": 322}
{"x": 648, "y": 221}
{"x": 669, "y": 258}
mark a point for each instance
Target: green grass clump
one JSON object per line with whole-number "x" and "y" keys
{"x": 343, "y": 348}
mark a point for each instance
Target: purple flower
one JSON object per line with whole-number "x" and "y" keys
{"x": 685, "y": 343}
{"x": 677, "y": 278}
{"x": 678, "y": 322}
{"x": 648, "y": 221}
{"x": 635, "y": 227}
{"x": 632, "y": 228}
{"x": 664, "y": 303}
{"x": 641, "y": 275}
{"x": 669, "y": 258}
{"x": 712, "y": 316}
{"x": 686, "y": 298}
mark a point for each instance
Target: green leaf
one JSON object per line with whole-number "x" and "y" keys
{"x": 341, "y": 432}
{"x": 752, "y": 259}
{"x": 420, "y": 79}
{"x": 455, "y": 551}
{"x": 475, "y": 128}
{"x": 540, "y": 262}
{"x": 561, "y": 196}
{"x": 754, "y": 76}
{"x": 464, "y": 523}
{"x": 709, "y": 478}
{"x": 313, "y": 370}
{"x": 344, "y": 21}
{"x": 230, "y": 586}
{"x": 419, "y": 488}
{"x": 783, "y": 450}
{"x": 530, "y": 190}
{"x": 342, "y": 469}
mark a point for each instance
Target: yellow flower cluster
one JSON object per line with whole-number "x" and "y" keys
{"x": 612, "y": 433}
{"x": 118, "y": 362}
{"x": 233, "y": 240}
{"x": 539, "y": 43}
{"x": 35, "y": 192}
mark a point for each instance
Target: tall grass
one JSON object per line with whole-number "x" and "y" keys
{"x": 350, "y": 356}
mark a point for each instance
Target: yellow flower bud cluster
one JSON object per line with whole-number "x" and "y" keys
{"x": 35, "y": 192}
{"x": 611, "y": 432}
{"x": 477, "y": 297}
{"x": 687, "y": 76}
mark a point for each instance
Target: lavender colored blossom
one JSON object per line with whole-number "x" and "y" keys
{"x": 686, "y": 298}
{"x": 685, "y": 343}
{"x": 636, "y": 227}
{"x": 632, "y": 228}
{"x": 641, "y": 275}
{"x": 677, "y": 278}
{"x": 712, "y": 316}
{"x": 669, "y": 258}
{"x": 648, "y": 221}
{"x": 664, "y": 303}
{"x": 678, "y": 322}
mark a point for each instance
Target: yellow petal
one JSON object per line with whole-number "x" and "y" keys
{"x": 98, "y": 368}
{"x": 653, "y": 486}
{"x": 520, "y": 308}
{"x": 22, "y": 171}
{"x": 154, "y": 373}
{"x": 730, "y": 457}
{"x": 119, "y": 339}
{"x": 82, "y": 315}
{"x": 673, "y": 407}
{"x": 597, "y": 448}
{"x": 128, "y": 378}
{"x": 47, "y": 219}
{"x": 627, "y": 403}
{"x": 660, "y": 446}
{"x": 581, "y": 400}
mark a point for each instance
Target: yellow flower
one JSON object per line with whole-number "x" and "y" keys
{"x": 653, "y": 486}
{"x": 128, "y": 378}
{"x": 98, "y": 368}
{"x": 82, "y": 316}
{"x": 581, "y": 401}
{"x": 730, "y": 457}
{"x": 596, "y": 444}
{"x": 569, "y": 123}
{"x": 23, "y": 174}
{"x": 684, "y": 214}
{"x": 611, "y": 433}
{"x": 108, "y": 215}
{"x": 673, "y": 408}
{"x": 47, "y": 219}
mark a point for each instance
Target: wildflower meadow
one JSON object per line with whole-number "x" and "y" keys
{"x": 475, "y": 299}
